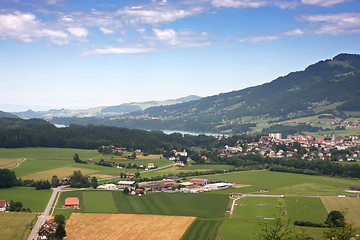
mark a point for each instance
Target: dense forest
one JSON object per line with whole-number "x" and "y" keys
{"x": 39, "y": 133}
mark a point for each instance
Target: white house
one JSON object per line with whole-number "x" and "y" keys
{"x": 128, "y": 184}
{"x": 3, "y": 205}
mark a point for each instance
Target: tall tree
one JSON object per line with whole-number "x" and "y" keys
{"x": 94, "y": 182}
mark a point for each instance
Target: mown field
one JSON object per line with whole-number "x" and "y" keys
{"x": 286, "y": 183}
{"x": 349, "y": 206}
{"x": 36, "y": 200}
{"x": 177, "y": 204}
{"x": 15, "y": 225}
{"x": 9, "y": 162}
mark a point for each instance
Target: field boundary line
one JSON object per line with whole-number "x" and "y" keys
{"x": 18, "y": 164}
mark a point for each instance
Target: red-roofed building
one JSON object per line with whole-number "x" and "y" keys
{"x": 72, "y": 202}
{"x": 199, "y": 181}
{"x": 3, "y": 205}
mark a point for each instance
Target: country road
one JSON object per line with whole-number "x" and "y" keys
{"x": 42, "y": 218}
{"x": 18, "y": 164}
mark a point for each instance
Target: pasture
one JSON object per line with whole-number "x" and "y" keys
{"x": 36, "y": 200}
{"x": 305, "y": 209}
{"x": 126, "y": 226}
{"x": 203, "y": 229}
{"x": 178, "y": 204}
{"x": 15, "y": 225}
{"x": 350, "y": 207}
{"x": 286, "y": 183}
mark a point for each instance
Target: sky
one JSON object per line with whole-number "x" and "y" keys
{"x": 88, "y": 53}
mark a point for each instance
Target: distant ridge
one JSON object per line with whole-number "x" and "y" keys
{"x": 7, "y": 115}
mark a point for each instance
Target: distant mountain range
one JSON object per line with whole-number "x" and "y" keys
{"x": 327, "y": 87}
{"x": 7, "y": 115}
{"x": 331, "y": 85}
{"x": 109, "y": 111}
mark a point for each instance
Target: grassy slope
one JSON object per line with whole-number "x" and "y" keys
{"x": 350, "y": 207}
{"x": 36, "y": 200}
{"x": 286, "y": 183}
{"x": 305, "y": 209}
{"x": 14, "y": 225}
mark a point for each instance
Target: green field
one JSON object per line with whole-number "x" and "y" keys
{"x": 208, "y": 167}
{"x": 36, "y": 200}
{"x": 286, "y": 183}
{"x": 247, "y": 218}
{"x": 15, "y": 225}
{"x": 203, "y": 229}
{"x": 43, "y": 163}
{"x": 177, "y": 204}
{"x": 305, "y": 209}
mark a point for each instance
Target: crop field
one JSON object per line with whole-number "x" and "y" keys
{"x": 207, "y": 167}
{"x": 15, "y": 225}
{"x": 59, "y": 172}
{"x": 36, "y": 200}
{"x": 46, "y": 153}
{"x": 196, "y": 205}
{"x": 286, "y": 183}
{"x": 350, "y": 207}
{"x": 126, "y": 226}
{"x": 9, "y": 162}
{"x": 305, "y": 209}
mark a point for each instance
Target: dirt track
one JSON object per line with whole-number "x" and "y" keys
{"x": 87, "y": 226}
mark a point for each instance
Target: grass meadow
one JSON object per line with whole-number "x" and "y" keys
{"x": 177, "y": 204}
{"x": 15, "y": 225}
{"x": 36, "y": 200}
{"x": 286, "y": 183}
{"x": 305, "y": 209}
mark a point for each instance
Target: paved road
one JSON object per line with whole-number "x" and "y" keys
{"x": 42, "y": 218}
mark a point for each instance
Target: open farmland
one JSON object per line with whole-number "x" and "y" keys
{"x": 350, "y": 207}
{"x": 286, "y": 183}
{"x": 203, "y": 229}
{"x": 126, "y": 226}
{"x": 15, "y": 225}
{"x": 9, "y": 162}
{"x": 305, "y": 209}
{"x": 36, "y": 200}
{"x": 196, "y": 205}
{"x": 60, "y": 172}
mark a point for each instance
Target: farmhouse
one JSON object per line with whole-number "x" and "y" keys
{"x": 72, "y": 202}
{"x": 179, "y": 163}
{"x": 129, "y": 184}
{"x": 355, "y": 188}
{"x": 183, "y": 153}
{"x": 199, "y": 181}
{"x": 3, "y": 205}
{"x": 151, "y": 165}
{"x": 43, "y": 234}
{"x": 158, "y": 185}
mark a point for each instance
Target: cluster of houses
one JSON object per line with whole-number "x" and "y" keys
{"x": 49, "y": 227}
{"x": 315, "y": 147}
{"x": 171, "y": 183}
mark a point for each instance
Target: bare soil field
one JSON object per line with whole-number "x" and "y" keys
{"x": 9, "y": 162}
{"x": 87, "y": 226}
{"x": 240, "y": 185}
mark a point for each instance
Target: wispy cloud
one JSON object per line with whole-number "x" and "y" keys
{"x": 267, "y": 38}
{"x": 334, "y": 24}
{"x": 26, "y": 27}
{"x": 324, "y": 3}
{"x": 117, "y": 50}
{"x": 254, "y": 3}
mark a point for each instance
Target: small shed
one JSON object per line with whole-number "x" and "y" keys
{"x": 72, "y": 202}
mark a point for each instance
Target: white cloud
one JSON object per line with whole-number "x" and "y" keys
{"x": 118, "y": 50}
{"x": 255, "y": 39}
{"x": 67, "y": 19}
{"x": 106, "y": 31}
{"x": 165, "y": 34}
{"x": 141, "y": 30}
{"x": 334, "y": 24}
{"x": 53, "y": 2}
{"x": 78, "y": 32}
{"x": 324, "y": 3}
{"x": 26, "y": 27}
{"x": 254, "y": 3}
{"x": 294, "y": 33}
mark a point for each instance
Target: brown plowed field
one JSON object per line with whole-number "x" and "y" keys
{"x": 87, "y": 226}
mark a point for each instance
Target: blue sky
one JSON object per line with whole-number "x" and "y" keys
{"x": 77, "y": 54}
